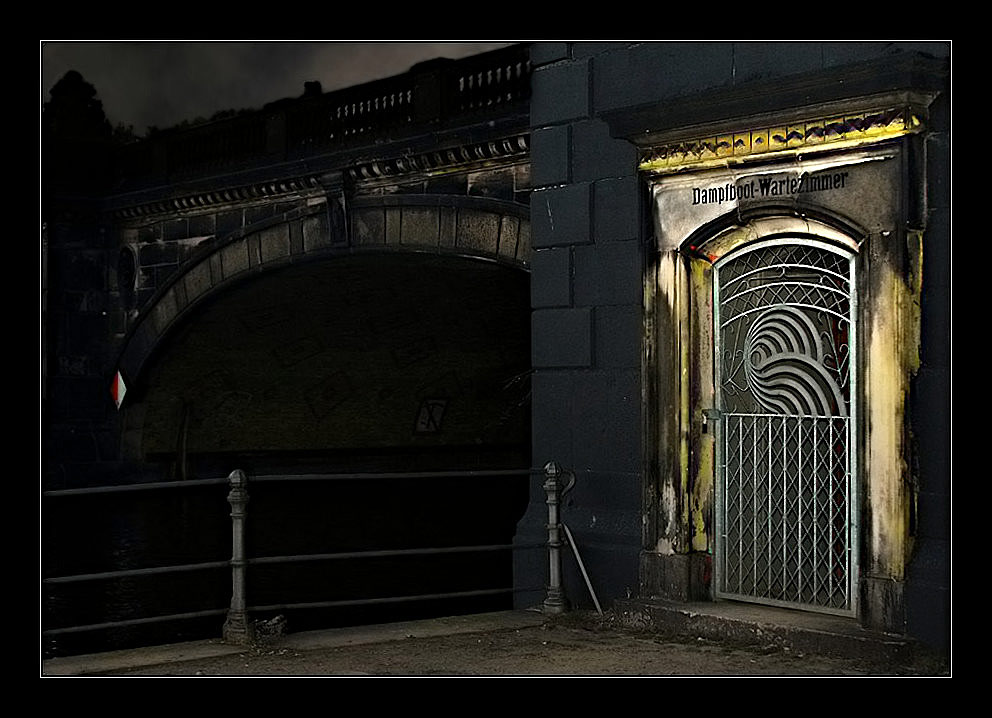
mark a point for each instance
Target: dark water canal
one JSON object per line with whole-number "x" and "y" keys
{"x": 113, "y": 532}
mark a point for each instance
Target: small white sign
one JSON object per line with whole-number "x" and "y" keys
{"x": 118, "y": 389}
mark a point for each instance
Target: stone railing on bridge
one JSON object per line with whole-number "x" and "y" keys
{"x": 432, "y": 95}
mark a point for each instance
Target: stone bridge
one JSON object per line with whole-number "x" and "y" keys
{"x": 495, "y": 262}
{"x": 433, "y": 165}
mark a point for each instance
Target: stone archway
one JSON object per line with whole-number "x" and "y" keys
{"x": 483, "y": 228}
{"x": 364, "y": 361}
{"x": 346, "y": 353}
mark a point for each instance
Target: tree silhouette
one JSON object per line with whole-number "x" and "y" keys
{"x": 74, "y": 112}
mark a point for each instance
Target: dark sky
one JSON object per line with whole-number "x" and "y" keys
{"x": 162, "y": 83}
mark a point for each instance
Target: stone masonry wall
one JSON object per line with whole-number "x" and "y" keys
{"x": 590, "y": 242}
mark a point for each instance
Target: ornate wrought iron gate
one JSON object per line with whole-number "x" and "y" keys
{"x": 786, "y": 498}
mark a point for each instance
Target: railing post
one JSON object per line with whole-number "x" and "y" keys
{"x": 555, "y": 602}
{"x": 237, "y": 629}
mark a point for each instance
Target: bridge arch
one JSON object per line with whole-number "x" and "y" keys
{"x": 470, "y": 227}
{"x": 369, "y": 360}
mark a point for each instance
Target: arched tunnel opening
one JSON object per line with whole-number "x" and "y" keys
{"x": 362, "y": 363}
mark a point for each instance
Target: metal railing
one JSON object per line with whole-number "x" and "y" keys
{"x": 238, "y": 628}
{"x": 433, "y": 94}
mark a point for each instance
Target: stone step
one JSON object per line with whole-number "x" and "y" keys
{"x": 752, "y": 624}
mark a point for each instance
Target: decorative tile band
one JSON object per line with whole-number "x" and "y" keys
{"x": 828, "y": 132}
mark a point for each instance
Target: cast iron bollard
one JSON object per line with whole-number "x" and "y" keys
{"x": 237, "y": 629}
{"x": 554, "y": 476}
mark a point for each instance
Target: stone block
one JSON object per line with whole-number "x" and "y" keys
{"x": 616, "y": 209}
{"x": 394, "y": 225}
{"x": 931, "y": 561}
{"x": 197, "y": 281}
{"x": 606, "y": 416}
{"x": 296, "y": 237}
{"x": 456, "y": 184}
{"x": 274, "y": 242}
{"x": 561, "y": 338}
{"x": 158, "y": 253}
{"x": 938, "y": 154}
{"x": 234, "y": 258}
{"x": 524, "y": 251}
{"x": 164, "y": 274}
{"x": 559, "y": 93}
{"x": 765, "y": 60}
{"x": 934, "y": 515}
{"x": 551, "y": 278}
{"x": 165, "y": 311}
{"x": 495, "y": 183}
{"x": 216, "y": 268}
{"x": 227, "y": 222}
{"x": 560, "y": 215}
{"x": 582, "y": 50}
{"x": 549, "y": 155}
{"x": 175, "y": 229}
{"x": 882, "y": 604}
{"x": 150, "y": 233}
{"x": 551, "y": 394}
{"x": 844, "y": 53}
{"x": 86, "y": 334}
{"x": 522, "y": 182}
{"x": 368, "y": 226}
{"x": 928, "y": 614}
{"x": 607, "y": 274}
{"x": 656, "y": 71}
{"x": 478, "y": 230}
{"x": 78, "y": 398}
{"x": 70, "y": 269}
{"x": 509, "y": 232}
{"x": 543, "y": 53}
{"x": 258, "y": 214}
{"x": 614, "y": 566}
{"x": 676, "y": 577}
{"x": 617, "y": 494}
{"x": 202, "y": 225}
{"x": 447, "y": 226}
{"x": 316, "y": 233}
{"x": 619, "y": 336}
{"x": 420, "y": 226}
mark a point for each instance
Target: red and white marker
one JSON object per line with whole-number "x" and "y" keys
{"x": 118, "y": 389}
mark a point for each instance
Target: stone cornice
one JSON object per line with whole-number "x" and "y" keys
{"x": 823, "y": 133}
{"x": 200, "y": 201}
{"x": 443, "y": 160}
{"x": 450, "y": 159}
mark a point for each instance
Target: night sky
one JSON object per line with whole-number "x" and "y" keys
{"x": 160, "y": 84}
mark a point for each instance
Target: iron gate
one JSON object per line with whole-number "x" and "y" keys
{"x": 786, "y": 519}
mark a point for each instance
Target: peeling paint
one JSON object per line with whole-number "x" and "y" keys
{"x": 893, "y": 351}
{"x": 665, "y": 547}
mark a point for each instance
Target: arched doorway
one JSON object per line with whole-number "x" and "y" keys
{"x": 784, "y": 333}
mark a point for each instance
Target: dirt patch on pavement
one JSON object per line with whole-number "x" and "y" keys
{"x": 574, "y": 646}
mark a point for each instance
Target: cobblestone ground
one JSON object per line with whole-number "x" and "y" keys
{"x": 560, "y": 648}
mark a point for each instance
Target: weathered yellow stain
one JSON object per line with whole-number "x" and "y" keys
{"x": 685, "y": 410}
{"x": 893, "y": 352}
{"x": 668, "y": 509}
{"x": 702, "y": 397}
{"x": 703, "y": 503}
